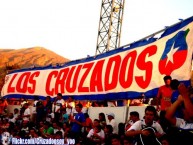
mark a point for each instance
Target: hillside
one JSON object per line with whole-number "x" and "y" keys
{"x": 25, "y": 58}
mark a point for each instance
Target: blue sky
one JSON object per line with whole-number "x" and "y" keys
{"x": 69, "y": 28}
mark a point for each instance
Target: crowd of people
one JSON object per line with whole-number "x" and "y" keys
{"x": 167, "y": 123}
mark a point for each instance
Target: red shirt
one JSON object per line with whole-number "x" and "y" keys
{"x": 165, "y": 94}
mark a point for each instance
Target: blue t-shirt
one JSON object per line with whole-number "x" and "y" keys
{"x": 76, "y": 127}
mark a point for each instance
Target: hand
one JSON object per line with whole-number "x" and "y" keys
{"x": 183, "y": 90}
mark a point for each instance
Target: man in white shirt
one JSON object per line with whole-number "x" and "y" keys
{"x": 59, "y": 103}
{"x": 112, "y": 122}
{"x": 139, "y": 127}
{"x": 96, "y": 135}
{"x": 27, "y": 113}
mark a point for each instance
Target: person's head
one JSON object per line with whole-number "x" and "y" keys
{"x": 108, "y": 129}
{"x": 96, "y": 122}
{"x": 41, "y": 124}
{"x": 48, "y": 98}
{"x": 134, "y": 116}
{"x": 167, "y": 79}
{"x": 128, "y": 141}
{"x": 150, "y": 114}
{"x": 102, "y": 116}
{"x": 110, "y": 116}
{"x": 46, "y": 125}
{"x": 16, "y": 110}
{"x": 86, "y": 115}
{"x": 115, "y": 139}
{"x": 58, "y": 135}
{"x": 54, "y": 124}
{"x": 32, "y": 132}
{"x": 97, "y": 128}
{"x": 65, "y": 125}
{"x": 78, "y": 107}
{"x": 59, "y": 96}
{"x": 26, "y": 105}
{"x": 70, "y": 98}
{"x": 25, "y": 123}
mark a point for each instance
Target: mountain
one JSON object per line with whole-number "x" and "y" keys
{"x": 25, "y": 58}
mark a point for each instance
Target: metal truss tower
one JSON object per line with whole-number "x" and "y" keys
{"x": 109, "y": 32}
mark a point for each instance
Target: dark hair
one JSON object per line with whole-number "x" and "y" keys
{"x": 48, "y": 97}
{"x": 97, "y": 120}
{"x": 98, "y": 127}
{"x": 16, "y": 109}
{"x": 86, "y": 115}
{"x": 134, "y": 113}
{"x": 59, "y": 94}
{"x": 103, "y": 116}
{"x": 59, "y": 133}
{"x": 59, "y": 124}
{"x": 167, "y": 78}
{"x": 174, "y": 84}
{"x": 79, "y": 105}
{"x": 115, "y": 136}
{"x": 46, "y": 123}
{"x": 110, "y": 128}
{"x": 36, "y": 97}
{"x": 151, "y": 109}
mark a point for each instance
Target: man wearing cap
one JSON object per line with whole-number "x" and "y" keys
{"x": 111, "y": 121}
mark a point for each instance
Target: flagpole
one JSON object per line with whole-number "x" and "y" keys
{"x": 152, "y": 35}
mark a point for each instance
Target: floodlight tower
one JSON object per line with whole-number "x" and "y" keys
{"x": 109, "y": 31}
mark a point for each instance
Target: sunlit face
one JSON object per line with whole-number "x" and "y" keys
{"x": 167, "y": 82}
{"x": 149, "y": 117}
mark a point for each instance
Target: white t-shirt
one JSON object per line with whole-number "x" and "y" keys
{"x": 58, "y": 105}
{"x": 70, "y": 110}
{"x": 26, "y": 112}
{"x": 49, "y": 117}
{"x": 91, "y": 132}
{"x": 55, "y": 130}
{"x": 138, "y": 125}
{"x": 114, "y": 125}
{"x": 181, "y": 123}
{"x": 12, "y": 120}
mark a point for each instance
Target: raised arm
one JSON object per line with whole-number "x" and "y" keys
{"x": 170, "y": 112}
{"x": 186, "y": 98}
